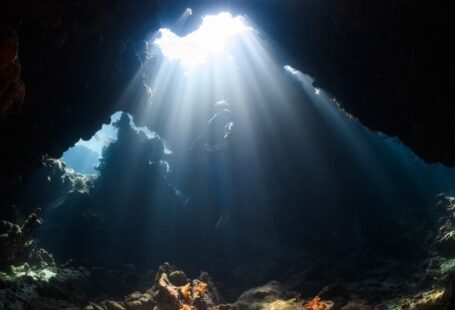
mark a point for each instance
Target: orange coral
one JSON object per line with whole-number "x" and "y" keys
{"x": 186, "y": 292}
{"x": 201, "y": 288}
{"x": 316, "y": 304}
{"x": 185, "y": 307}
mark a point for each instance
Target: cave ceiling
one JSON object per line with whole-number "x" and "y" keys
{"x": 63, "y": 65}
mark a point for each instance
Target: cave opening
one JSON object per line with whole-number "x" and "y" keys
{"x": 84, "y": 156}
{"x": 228, "y": 158}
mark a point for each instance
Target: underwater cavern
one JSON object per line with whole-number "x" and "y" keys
{"x": 227, "y": 154}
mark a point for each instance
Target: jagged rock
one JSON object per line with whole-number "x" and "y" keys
{"x": 32, "y": 287}
{"x": 272, "y": 290}
{"x": 443, "y": 214}
{"x": 352, "y": 29}
{"x": 54, "y": 304}
{"x": 261, "y": 297}
{"x": 44, "y": 258}
{"x": 357, "y": 305}
{"x": 93, "y": 306}
{"x": 178, "y": 278}
{"x": 113, "y": 305}
{"x": 337, "y": 292}
{"x": 139, "y": 301}
{"x": 12, "y": 89}
{"x": 200, "y": 293}
{"x": 446, "y": 244}
{"x": 277, "y": 305}
{"x": 269, "y": 296}
{"x": 428, "y": 300}
{"x": 212, "y": 290}
{"x": 15, "y": 239}
{"x": 165, "y": 295}
{"x": 168, "y": 296}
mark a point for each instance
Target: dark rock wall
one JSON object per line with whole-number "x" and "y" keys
{"x": 76, "y": 58}
{"x": 388, "y": 62}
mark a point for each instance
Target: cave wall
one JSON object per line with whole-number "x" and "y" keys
{"x": 388, "y": 63}
{"x": 76, "y": 58}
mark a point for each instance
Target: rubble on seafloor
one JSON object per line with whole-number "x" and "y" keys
{"x": 43, "y": 285}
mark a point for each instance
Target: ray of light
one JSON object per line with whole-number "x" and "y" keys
{"x": 278, "y": 114}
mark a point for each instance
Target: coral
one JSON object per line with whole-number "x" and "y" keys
{"x": 167, "y": 293}
{"x": 317, "y": 304}
{"x": 212, "y": 292}
{"x": 15, "y": 239}
{"x": 201, "y": 288}
{"x": 188, "y": 295}
{"x": 164, "y": 295}
{"x": 196, "y": 294}
{"x": 37, "y": 273}
{"x": 178, "y": 278}
{"x": 186, "y": 292}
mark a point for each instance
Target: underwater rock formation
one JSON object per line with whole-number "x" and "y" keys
{"x": 77, "y": 56}
{"x": 44, "y": 288}
{"x": 198, "y": 293}
{"x": 76, "y": 288}
{"x": 12, "y": 88}
{"x": 387, "y": 63}
{"x": 81, "y": 211}
{"x": 375, "y": 57}
{"x": 79, "y": 222}
{"x": 202, "y": 294}
{"x": 15, "y": 239}
{"x": 272, "y": 295}
{"x": 80, "y": 227}
{"x": 443, "y": 214}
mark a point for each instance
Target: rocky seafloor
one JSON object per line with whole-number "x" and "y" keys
{"x": 170, "y": 288}
{"x": 41, "y": 284}
{"x": 420, "y": 275}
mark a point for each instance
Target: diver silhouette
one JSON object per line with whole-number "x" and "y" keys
{"x": 216, "y": 140}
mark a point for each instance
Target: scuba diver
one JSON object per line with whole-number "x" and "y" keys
{"x": 216, "y": 140}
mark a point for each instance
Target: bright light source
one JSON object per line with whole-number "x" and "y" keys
{"x": 189, "y": 11}
{"x": 210, "y": 39}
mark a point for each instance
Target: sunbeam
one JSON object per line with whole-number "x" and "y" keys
{"x": 259, "y": 141}
{"x": 211, "y": 39}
